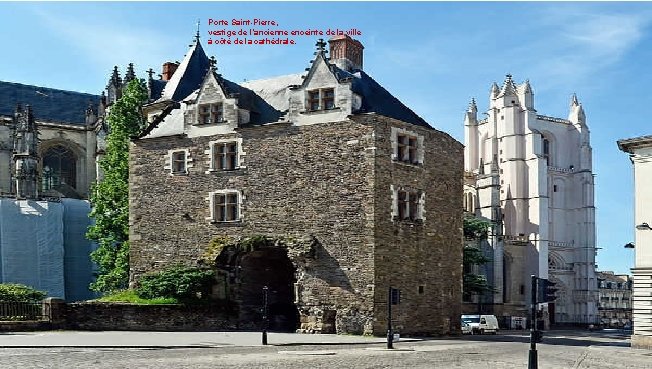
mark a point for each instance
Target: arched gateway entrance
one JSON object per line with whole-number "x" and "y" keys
{"x": 246, "y": 266}
{"x": 268, "y": 267}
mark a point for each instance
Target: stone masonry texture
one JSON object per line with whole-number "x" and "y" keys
{"x": 330, "y": 182}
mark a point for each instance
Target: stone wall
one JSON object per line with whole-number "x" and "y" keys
{"x": 328, "y": 181}
{"x": 295, "y": 181}
{"x": 119, "y": 317}
{"x": 427, "y": 253}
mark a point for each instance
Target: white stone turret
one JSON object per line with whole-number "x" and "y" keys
{"x": 471, "y": 159}
{"x": 576, "y": 115}
{"x": 526, "y": 96}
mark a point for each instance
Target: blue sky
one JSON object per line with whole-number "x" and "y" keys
{"x": 434, "y": 56}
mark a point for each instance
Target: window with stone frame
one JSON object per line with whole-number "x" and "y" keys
{"x": 226, "y": 206}
{"x": 328, "y": 99}
{"x": 321, "y": 99}
{"x": 407, "y": 146}
{"x": 211, "y": 113}
{"x": 409, "y": 206}
{"x": 225, "y": 155}
{"x": 178, "y": 161}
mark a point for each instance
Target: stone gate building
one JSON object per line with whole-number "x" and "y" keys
{"x": 324, "y": 187}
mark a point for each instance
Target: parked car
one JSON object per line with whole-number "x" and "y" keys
{"x": 482, "y": 323}
{"x": 466, "y": 328}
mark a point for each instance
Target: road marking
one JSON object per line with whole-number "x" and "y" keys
{"x": 306, "y": 352}
{"x": 581, "y": 358}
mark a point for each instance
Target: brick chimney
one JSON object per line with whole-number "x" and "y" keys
{"x": 346, "y": 52}
{"x": 168, "y": 70}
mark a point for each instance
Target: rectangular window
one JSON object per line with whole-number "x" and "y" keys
{"x": 407, "y": 149}
{"x": 323, "y": 99}
{"x": 226, "y": 207}
{"x": 313, "y": 100}
{"x": 408, "y": 205}
{"x": 178, "y": 162}
{"x": 225, "y": 155}
{"x": 211, "y": 113}
{"x": 328, "y": 98}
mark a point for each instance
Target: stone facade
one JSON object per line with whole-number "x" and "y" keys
{"x": 531, "y": 176}
{"x": 68, "y": 124}
{"x": 640, "y": 155}
{"x": 324, "y": 187}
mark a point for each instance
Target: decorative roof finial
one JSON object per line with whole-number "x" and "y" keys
{"x": 197, "y": 34}
{"x": 130, "y": 75}
{"x": 212, "y": 62}
{"x": 472, "y": 106}
{"x": 574, "y": 101}
{"x": 494, "y": 90}
{"x": 150, "y": 73}
{"x": 321, "y": 46}
{"x": 115, "y": 77}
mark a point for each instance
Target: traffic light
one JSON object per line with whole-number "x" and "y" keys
{"x": 547, "y": 291}
{"x": 395, "y": 296}
{"x": 538, "y": 336}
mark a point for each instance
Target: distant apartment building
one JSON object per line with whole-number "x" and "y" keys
{"x": 615, "y": 299}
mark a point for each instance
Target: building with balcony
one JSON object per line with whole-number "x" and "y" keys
{"x": 615, "y": 299}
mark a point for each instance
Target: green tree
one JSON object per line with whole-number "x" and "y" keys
{"x": 476, "y": 230}
{"x": 110, "y": 196}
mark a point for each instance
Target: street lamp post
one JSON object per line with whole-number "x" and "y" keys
{"x": 265, "y": 318}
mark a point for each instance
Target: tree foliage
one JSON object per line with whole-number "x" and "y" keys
{"x": 109, "y": 197}
{"x": 179, "y": 282}
{"x": 475, "y": 229}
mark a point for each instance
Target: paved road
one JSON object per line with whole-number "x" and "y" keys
{"x": 559, "y": 350}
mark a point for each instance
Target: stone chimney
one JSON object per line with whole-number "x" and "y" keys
{"x": 346, "y": 52}
{"x": 168, "y": 70}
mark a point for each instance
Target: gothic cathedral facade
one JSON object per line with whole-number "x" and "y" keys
{"x": 531, "y": 176}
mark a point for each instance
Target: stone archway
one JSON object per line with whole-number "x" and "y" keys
{"x": 244, "y": 266}
{"x": 271, "y": 268}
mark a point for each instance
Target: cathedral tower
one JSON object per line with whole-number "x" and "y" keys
{"x": 533, "y": 179}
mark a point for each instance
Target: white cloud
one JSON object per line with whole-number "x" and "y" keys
{"x": 575, "y": 45}
{"x": 106, "y": 43}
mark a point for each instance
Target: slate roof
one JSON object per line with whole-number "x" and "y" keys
{"x": 266, "y": 99}
{"x": 156, "y": 86}
{"x": 188, "y": 76}
{"x": 376, "y": 99}
{"x": 48, "y": 104}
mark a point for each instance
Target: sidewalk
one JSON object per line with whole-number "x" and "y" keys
{"x": 175, "y": 339}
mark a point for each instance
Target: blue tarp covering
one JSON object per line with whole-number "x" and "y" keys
{"x": 42, "y": 245}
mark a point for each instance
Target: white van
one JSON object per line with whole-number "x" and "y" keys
{"x": 482, "y": 323}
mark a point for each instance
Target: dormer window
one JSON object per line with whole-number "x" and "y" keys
{"x": 322, "y": 99}
{"x": 328, "y": 98}
{"x": 211, "y": 113}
